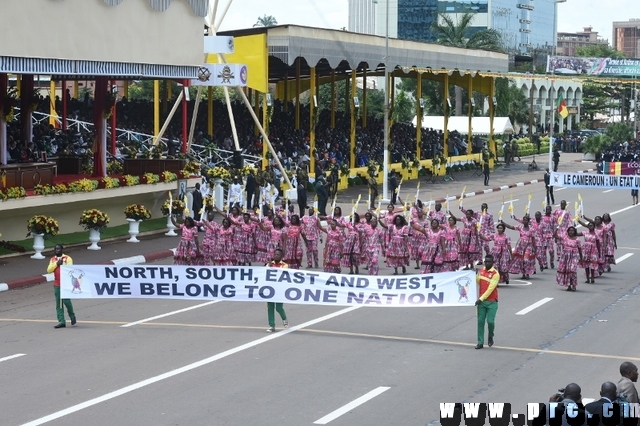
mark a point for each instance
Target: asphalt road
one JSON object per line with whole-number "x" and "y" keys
{"x": 215, "y": 365}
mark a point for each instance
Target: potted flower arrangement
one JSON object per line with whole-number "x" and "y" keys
{"x": 95, "y": 222}
{"x": 41, "y": 227}
{"x": 192, "y": 167}
{"x": 218, "y": 173}
{"x": 172, "y": 208}
{"x": 135, "y": 213}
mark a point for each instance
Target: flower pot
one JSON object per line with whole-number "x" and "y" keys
{"x": 171, "y": 227}
{"x": 134, "y": 230}
{"x": 94, "y": 237}
{"x": 217, "y": 181}
{"x": 38, "y": 246}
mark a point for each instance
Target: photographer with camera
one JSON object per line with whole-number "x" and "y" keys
{"x": 568, "y": 406}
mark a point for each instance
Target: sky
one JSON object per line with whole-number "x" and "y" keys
{"x": 572, "y": 15}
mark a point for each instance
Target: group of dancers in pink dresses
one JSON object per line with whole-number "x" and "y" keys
{"x": 432, "y": 238}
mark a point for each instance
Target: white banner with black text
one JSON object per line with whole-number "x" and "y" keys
{"x": 588, "y": 180}
{"x": 261, "y": 284}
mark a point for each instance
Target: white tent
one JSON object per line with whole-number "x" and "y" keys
{"x": 479, "y": 125}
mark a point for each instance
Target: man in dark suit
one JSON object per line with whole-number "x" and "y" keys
{"x": 547, "y": 180}
{"x": 250, "y": 187}
{"x": 603, "y": 410}
{"x": 301, "y": 191}
{"x": 197, "y": 202}
{"x": 323, "y": 195}
{"x": 393, "y": 185}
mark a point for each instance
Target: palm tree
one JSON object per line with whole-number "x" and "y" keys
{"x": 456, "y": 34}
{"x": 266, "y": 21}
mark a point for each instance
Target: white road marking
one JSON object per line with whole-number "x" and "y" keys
{"x": 350, "y": 406}
{"x": 7, "y": 358}
{"x": 202, "y": 305}
{"x": 534, "y": 306}
{"x": 623, "y": 257}
{"x": 511, "y": 201}
{"x": 621, "y": 210}
{"x": 4, "y": 286}
{"x": 513, "y": 282}
{"x": 186, "y": 368}
{"x": 560, "y": 189}
{"x": 608, "y": 190}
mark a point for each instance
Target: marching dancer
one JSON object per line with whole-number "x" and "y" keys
{"x": 524, "y": 253}
{"x": 432, "y": 254}
{"x": 569, "y": 260}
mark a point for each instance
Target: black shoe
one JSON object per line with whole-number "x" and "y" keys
{"x": 490, "y": 341}
{"x": 479, "y": 346}
{"x": 73, "y": 321}
{"x": 553, "y": 266}
{"x": 506, "y": 282}
{"x": 479, "y": 263}
{"x": 60, "y": 325}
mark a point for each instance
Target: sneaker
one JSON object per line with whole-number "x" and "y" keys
{"x": 271, "y": 330}
{"x": 73, "y": 320}
{"x": 285, "y": 323}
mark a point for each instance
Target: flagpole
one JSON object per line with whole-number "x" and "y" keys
{"x": 553, "y": 122}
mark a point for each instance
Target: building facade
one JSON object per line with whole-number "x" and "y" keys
{"x": 362, "y": 16}
{"x": 525, "y": 25}
{"x": 545, "y": 93}
{"x": 568, "y": 43}
{"x": 626, "y": 37}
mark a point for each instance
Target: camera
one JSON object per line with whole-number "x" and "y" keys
{"x": 560, "y": 392}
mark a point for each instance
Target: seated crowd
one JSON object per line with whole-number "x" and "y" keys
{"x": 292, "y": 146}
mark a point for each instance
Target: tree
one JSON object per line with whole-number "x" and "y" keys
{"x": 599, "y": 51}
{"x": 619, "y": 132}
{"x": 511, "y": 102}
{"x": 266, "y": 21}
{"x": 459, "y": 34}
{"x": 403, "y": 108}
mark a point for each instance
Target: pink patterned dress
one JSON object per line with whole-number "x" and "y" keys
{"x": 222, "y": 252}
{"x": 548, "y": 226}
{"x": 601, "y": 252}
{"x": 501, "y": 252}
{"x": 439, "y": 216}
{"x": 539, "y": 234}
{"x": 351, "y": 247}
{"x": 609, "y": 246}
{"x": 562, "y": 220}
{"x": 523, "y": 257}
{"x": 469, "y": 242}
{"x": 590, "y": 252}
{"x": 398, "y": 249}
{"x": 362, "y": 228}
{"x": 292, "y": 246}
{"x": 568, "y": 262}
{"x": 487, "y": 227}
{"x": 417, "y": 240}
{"x": 432, "y": 257}
{"x": 263, "y": 238}
{"x": 333, "y": 250}
{"x": 451, "y": 248}
{"x": 312, "y": 234}
{"x": 187, "y": 252}
{"x": 388, "y": 220}
{"x": 245, "y": 243}
{"x": 275, "y": 241}
{"x": 374, "y": 238}
{"x": 209, "y": 240}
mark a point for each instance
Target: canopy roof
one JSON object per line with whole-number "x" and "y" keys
{"x": 479, "y": 125}
{"x": 290, "y": 46}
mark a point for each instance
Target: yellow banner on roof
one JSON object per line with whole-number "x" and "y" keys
{"x": 252, "y": 51}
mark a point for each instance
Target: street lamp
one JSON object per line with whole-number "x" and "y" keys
{"x": 385, "y": 178}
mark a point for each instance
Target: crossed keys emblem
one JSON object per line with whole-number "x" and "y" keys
{"x": 204, "y": 74}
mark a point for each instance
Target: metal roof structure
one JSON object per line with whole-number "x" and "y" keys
{"x": 341, "y": 51}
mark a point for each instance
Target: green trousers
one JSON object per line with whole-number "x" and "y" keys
{"x": 486, "y": 312}
{"x": 60, "y": 309}
{"x": 271, "y": 306}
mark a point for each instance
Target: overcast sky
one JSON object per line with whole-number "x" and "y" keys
{"x": 573, "y": 15}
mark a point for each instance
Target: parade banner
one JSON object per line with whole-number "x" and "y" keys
{"x": 588, "y": 180}
{"x": 261, "y": 284}
{"x": 620, "y": 168}
{"x": 603, "y": 67}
